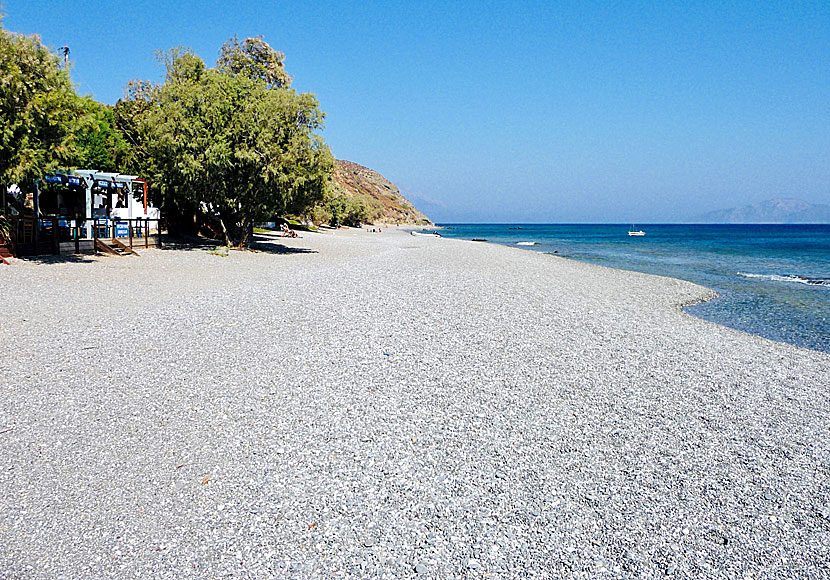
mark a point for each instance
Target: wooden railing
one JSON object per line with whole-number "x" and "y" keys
{"x": 68, "y": 235}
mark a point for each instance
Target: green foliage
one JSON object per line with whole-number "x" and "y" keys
{"x": 339, "y": 209}
{"x": 44, "y": 124}
{"x": 357, "y": 213}
{"x": 233, "y": 143}
{"x": 182, "y": 65}
{"x": 95, "y": 142}
{"x": 319, "y": 214}
{"x": 255, "y": 59}
{"x": 129, "y": 115}
{"x": 229, "y": 142}
{"x": 336, "y": 207}
{"x": 37, "y": 108}
{"x": 374, "y": 210}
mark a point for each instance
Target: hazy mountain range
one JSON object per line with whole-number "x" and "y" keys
{"x": 773, "y": 211}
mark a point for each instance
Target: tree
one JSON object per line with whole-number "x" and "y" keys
{"x": 230, "y": 143}
{"x": 95, "y": 142}
{"x": 336, "y": 207}
{"x": 129, "y": 116}
{"x": 44, "y": 124}
{"x": 255, "y": 59}
{"x": 356, "y": 213}
{"x": 37, "y": 106}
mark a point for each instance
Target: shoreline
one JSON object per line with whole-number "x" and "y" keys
{"x": 772, "y": 302}
{"x": 706, "y": 294}
{"x": 389, "y": 404}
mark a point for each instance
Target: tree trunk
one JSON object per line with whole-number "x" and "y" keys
{"x": 246, "y": 233}
{"x": 225, "y": 231}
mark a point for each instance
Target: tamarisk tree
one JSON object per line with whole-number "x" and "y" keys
{"x": 37, "y": 108}
{"x": 233, "y": 143}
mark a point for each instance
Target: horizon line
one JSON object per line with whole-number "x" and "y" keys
{"x": 629, "y": 223}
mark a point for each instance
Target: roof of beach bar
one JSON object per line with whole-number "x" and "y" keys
{"x": 95, "y": 175}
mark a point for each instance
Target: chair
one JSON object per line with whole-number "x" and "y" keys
{"x": 27, "y": 230}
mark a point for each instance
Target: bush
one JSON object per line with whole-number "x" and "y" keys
{"x": 338, "y": 209}
{"x": 356, "y": 213}
{"x": 319, "y": 214}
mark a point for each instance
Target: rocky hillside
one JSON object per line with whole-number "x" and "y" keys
{"x": 384, "y": 200}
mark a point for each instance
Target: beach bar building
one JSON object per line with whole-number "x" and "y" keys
{"x": 83, "y": 211}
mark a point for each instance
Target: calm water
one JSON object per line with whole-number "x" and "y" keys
{"x": 773, "y": 280}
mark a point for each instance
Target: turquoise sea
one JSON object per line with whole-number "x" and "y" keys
{"x": 773, "y": 280}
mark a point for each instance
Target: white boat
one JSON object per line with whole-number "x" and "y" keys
{"x": 633, "y": 232}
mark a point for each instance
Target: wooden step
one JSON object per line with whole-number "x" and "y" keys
{"x": 102, "y": 246}
{"x": 115, "y": 248}
{"x": 122, "y": 248}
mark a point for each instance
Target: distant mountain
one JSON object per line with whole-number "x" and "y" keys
{"x": 382, "y": 197}
{"x": 773, "y": 211}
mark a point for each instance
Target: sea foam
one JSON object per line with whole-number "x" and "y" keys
{"x": 788, "y": 278}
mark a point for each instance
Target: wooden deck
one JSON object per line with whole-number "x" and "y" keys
{"x": 61, "y": 235}
{"x": 82, "y": 246}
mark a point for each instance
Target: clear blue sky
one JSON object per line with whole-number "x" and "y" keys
{"x": 518, "y": 112}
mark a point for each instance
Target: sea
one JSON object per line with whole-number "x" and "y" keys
{"x": 772, "y": 280}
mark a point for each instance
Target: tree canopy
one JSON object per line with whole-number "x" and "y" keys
{"x": 232, "y": 143}
{"x": 94, "y": 140}
{"x": 37, "y": 108}
{"x": 254, "y": 58}
{"x": 44, "y": 124}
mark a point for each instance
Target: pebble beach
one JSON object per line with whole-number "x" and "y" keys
{"x": 359, "y": 405}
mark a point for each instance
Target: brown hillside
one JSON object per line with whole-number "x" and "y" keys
{"x": 385, "y": 202}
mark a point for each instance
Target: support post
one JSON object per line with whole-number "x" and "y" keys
{"x": 36, "y": 207}
{"x": 56, "y": 246}
{"x": 88, "y": 207}
{"x": 130, "y": 224}
{"x": 77, "y": 238}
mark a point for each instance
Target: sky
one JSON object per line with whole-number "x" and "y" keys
{"x": 517, "y": 111}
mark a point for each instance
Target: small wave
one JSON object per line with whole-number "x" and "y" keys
{"x": 525, "y": 243}
{"x": 789, "y": 278}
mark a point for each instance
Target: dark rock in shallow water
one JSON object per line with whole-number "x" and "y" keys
{"x": 479, "y": 240}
